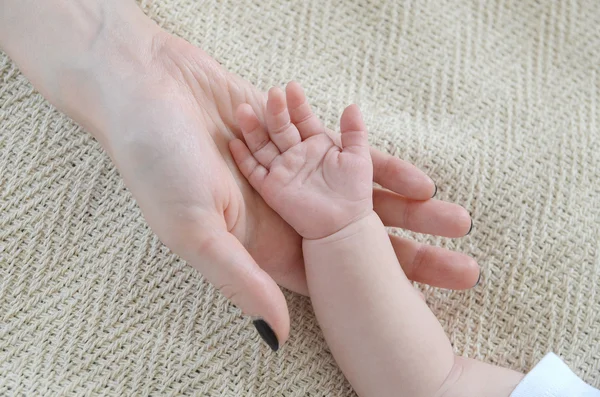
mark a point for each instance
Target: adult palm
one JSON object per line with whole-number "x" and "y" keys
{"x": 169, "y": 134}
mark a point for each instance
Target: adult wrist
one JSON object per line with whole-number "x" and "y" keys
{"x": 79, "y": 54}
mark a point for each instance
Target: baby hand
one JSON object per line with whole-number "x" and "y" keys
{"x": 313, "y": 184}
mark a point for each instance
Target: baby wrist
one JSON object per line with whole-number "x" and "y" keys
{"x": 363, "y": 224}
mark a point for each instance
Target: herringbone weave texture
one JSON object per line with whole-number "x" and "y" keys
{"x": 496, "y": 100}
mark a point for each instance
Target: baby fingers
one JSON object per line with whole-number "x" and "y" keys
{"x": 256, "y": 137}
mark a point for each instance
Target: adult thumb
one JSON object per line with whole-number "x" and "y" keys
{"x": 226, "y": 264}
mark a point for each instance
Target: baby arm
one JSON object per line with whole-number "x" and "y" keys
{"x": 379, "y": 330}
{"x": 383, "y": 336}
{"x": 381, "y": 333}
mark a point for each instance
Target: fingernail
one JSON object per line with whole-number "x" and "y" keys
{"x": 478, "y": 279}
{"x": 435, "y": 192}
{"x": 471, "y": 228}
{"x": 266, "y": 332}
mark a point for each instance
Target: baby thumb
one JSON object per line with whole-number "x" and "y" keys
{"x": 225, "y": 263}
{"x": 354, "y": 131}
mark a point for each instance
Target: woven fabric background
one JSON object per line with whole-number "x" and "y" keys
{"x": 496, "y": 100}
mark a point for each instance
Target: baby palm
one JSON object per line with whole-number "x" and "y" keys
{"x": 312, "y": 183}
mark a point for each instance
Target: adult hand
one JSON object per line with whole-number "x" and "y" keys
{"x": 164, "y": 111}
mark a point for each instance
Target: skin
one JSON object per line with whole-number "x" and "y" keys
{"x": 382, "y": 334}
{"x": 164, "y": 111}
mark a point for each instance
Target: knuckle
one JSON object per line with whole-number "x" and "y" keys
{"x": 419, "y": 260}
{"x": 281, "y": 128}
{"x": 260, "y": 144}
{"x": 407, "y": 216}
{"x": 229, "y": 291}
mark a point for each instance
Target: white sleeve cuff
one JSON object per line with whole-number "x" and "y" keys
{"x": 553, "y": 378}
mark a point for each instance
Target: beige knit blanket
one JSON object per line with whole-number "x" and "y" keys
{"x": 496, "y": 100}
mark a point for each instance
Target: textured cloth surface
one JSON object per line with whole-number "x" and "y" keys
{"x": 496, "y": 100}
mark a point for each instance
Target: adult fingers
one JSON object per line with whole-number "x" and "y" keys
{"x": 432, "y": 216}
{"x": 401, "y": 177}
{"x": 436, "y": 266}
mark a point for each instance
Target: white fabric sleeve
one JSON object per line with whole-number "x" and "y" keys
{"x": 553, "y": 378}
